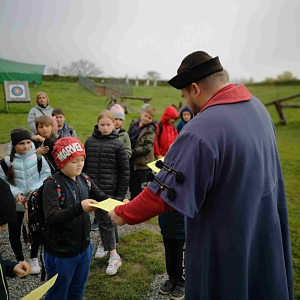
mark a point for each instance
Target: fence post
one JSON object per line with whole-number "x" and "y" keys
{"x": 281, "y": 113}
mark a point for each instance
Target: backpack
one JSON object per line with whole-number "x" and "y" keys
{"x": 36, "y": 218}
{"x": 39, "y": 163}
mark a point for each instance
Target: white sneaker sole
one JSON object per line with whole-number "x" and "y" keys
{"x": 101, "y": 256}
{"x": 33, "y": 272}
{"x": 115, "y": 271}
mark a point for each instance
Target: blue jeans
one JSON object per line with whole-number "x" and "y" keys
{"x": 72, "y": 275}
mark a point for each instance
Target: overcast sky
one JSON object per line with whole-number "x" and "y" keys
{"x": 252, "y": 38}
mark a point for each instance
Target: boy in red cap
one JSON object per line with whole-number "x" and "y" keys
{"x": 68, "y": 250}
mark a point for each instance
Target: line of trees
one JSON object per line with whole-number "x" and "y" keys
{"x": 285, "y": 76}
{"x": 81, "y": 67}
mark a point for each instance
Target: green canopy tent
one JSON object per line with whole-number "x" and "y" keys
{"x": 15, "y": 71}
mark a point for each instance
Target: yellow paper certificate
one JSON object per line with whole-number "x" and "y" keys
{"x": 108, "y": 204}
{"x": 153, "y": 167}
{"x": 41, "y": 290}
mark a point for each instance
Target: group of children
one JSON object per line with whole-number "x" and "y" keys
{"x": 115, "y": 163}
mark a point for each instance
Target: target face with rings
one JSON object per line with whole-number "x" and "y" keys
{"x": 17, "y": 91}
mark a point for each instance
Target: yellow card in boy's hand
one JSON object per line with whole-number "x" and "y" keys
{"x": 108, "y": 204}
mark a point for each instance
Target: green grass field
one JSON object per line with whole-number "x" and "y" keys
{"x": 82, "y": 107}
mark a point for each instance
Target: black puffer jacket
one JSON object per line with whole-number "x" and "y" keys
{"x": 107, "y": 163}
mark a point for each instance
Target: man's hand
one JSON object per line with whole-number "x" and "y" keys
{"x": 115, "y": 218}
{"x": 42, "y": 150}
{"x": 21, "y": 198}
{"x": 22, "y": 269}
{"x": 85, "y": 205}
{"x": 159, "y": 156}
{"x": 126, "y": 201}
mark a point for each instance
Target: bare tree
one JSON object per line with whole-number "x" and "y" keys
{"x": 153, "y": 75}
{"x": 81, "y": 67}
{"x": 53, "y": 71}
{"x": 68, "y": 71}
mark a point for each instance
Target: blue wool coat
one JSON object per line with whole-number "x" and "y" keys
{"x": 27, "y": 177}
{"x": 234, "y": 202}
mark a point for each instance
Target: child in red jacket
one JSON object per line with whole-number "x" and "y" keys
{"x": 166, "y": 132}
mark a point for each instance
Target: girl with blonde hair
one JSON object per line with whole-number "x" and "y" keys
{"x": 41, "y": 109}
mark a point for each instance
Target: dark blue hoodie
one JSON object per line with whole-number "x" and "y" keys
{"x": 182, "y": 123}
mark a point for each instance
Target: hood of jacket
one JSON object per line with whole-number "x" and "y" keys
{"x": 186, "y": 108}
{"x": 169, "y": 113}
{"x": 97, "y": 134}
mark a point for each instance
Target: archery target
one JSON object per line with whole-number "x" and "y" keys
{"x": 17, "y": 91}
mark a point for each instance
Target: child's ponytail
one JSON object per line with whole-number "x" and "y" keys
{"x": 10, "y": 171}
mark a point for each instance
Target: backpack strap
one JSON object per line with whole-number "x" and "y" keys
{"x": 160, "y": 132}
{"x": 39, "y": 162}
{"x": 4, "y": 166}
{"x": 40, "y": 111}
{"x": 87, "y": 180}
{"x": 60, "y": 188}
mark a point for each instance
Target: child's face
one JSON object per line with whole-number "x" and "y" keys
{"x": 42, "y": 100}
{"x": 105, "y": 126}
{"x": 146, "y": 118}
{"x": 74, "y": 167}
{"x": 171, "y": 121}
{"x": 45, "y": 130}
{"x": 118, "y": 123}
{"x": 186, "y": 116}
{"x": 60, "y": 119}
{"x": 23, "y": 147}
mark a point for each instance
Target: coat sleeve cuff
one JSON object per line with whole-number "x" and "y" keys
{"x": 142, "y": 208}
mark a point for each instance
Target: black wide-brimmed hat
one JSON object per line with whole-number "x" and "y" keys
{"x": 194, "y": 67}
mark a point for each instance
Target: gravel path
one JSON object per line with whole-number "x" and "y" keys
{"x": 18, "y": 288}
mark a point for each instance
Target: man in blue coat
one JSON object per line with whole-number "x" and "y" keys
{"x": 232, "y": 196}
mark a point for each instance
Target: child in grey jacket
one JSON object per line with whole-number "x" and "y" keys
{"x": 119, "y": 115}
{"x": 41, "y": 109}
{"x": 64, "y": 129}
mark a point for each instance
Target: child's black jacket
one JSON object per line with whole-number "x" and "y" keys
{"x": 67, "y": 231}
{"x": 49, "y": 142}
{"x": 107, "y": 163}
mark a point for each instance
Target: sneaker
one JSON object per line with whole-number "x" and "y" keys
{"x": 113, "y": 264}
{"x": 167, "y": 288}
{"x": 179, "y": 291}
{"x": 94, "y": 226}
{"x": 100, "y": 253}
{"x": 34, "y": 265}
